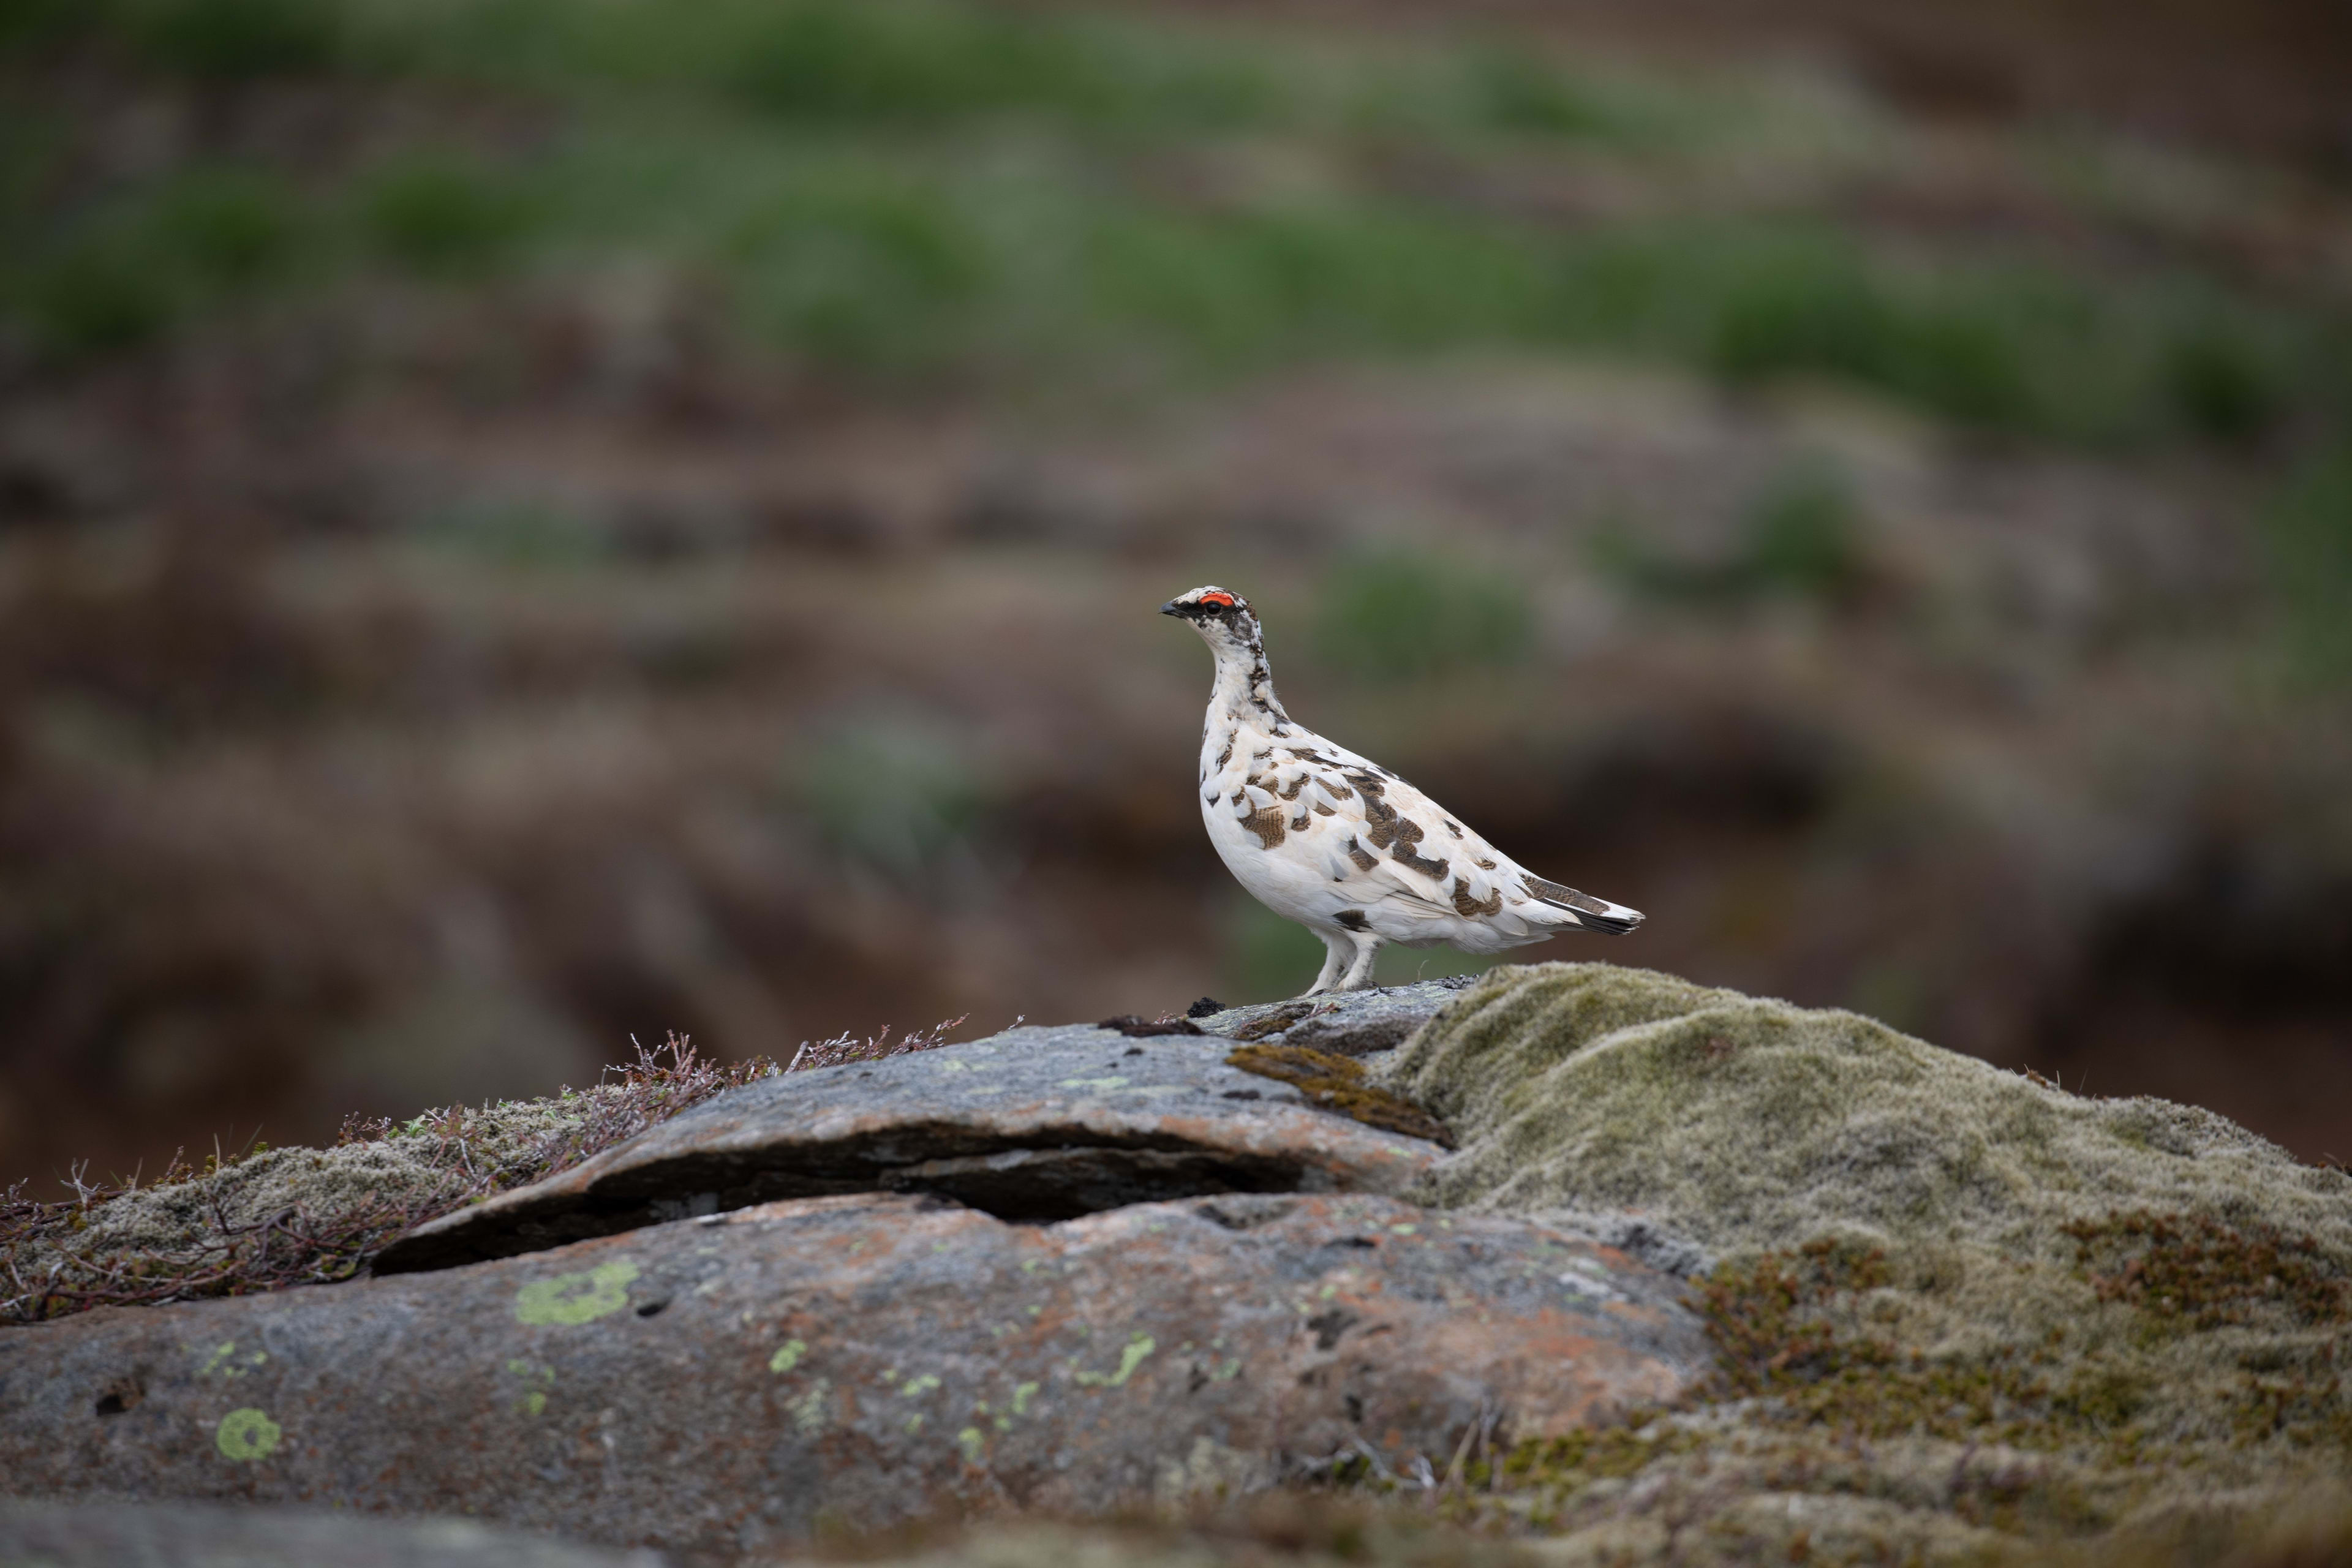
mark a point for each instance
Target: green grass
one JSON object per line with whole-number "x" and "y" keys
{"x": 126, "y": 269}
{"x": 439, "y": 214}
{"x": 2309, "y": 531}
{"x": 940, "y": 189}
{"x": 226, "y": 40}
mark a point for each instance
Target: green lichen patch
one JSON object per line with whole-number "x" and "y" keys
{"x": 1139, "y": 1347}
{"x": 567, "y": 1300}
{"x": 1340, "y": 1084}
{"x": 246, "y": 1436}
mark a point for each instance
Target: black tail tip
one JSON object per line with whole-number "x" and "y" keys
{"x": 1611, "y": 925}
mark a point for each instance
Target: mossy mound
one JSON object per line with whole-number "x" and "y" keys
{"x": 1748, "y": 1124}
{"x": 1960, "y": 1314}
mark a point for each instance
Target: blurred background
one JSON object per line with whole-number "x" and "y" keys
{"x": 524, "y": 522}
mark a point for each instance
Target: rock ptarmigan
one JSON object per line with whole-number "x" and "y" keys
{"x": 1342, "y": 845}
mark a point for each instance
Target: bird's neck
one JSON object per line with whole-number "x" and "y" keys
{"x": 1243, "y": 693}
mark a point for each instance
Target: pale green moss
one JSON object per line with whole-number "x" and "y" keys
{"x": 1746, "y": 1123}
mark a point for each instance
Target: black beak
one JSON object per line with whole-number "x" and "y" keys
{"x": 1175, "y": 607}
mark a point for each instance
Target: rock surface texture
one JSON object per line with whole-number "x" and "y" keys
{"x": 1347, "y": 1024}
{"x": 720, "y": 1384}
{"x": 1068, "y": 1269}
{"x": 1032, "y": 1124}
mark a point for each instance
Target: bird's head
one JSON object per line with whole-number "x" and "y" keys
{"x": 1222, "y": 619}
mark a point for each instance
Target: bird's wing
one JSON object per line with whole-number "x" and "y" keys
{"x": 1370, "y": 827}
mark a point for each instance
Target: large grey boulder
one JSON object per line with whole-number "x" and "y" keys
{"x": 724, "y": 1384}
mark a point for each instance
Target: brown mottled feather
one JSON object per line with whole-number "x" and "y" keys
{"x": 1469, "y": 907}
{"x": 1267, "y": 823}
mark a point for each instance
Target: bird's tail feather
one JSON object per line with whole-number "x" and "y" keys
{"x": 1591, "y": 913}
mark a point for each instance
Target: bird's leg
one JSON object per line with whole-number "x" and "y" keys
{"x": 1335, "y": 955}
{"x": 1360, "y": 967}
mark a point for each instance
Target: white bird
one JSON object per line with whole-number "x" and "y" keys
{"x": 1342, "y": 845}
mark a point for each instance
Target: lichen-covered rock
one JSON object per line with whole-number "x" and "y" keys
{"x": 722, "y": 1385}
{"x": 1034, "y": 1123}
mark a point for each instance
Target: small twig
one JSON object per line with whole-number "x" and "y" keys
{"x": 1461, "y": 1452}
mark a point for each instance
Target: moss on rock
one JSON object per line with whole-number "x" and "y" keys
{"x": 1746, "y": 1122}
{"x": 1960, "y": 1314}
{"x": 1337, "y": 1083}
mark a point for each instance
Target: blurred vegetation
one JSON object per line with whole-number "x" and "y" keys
{"x": 896, "y": 794}
{"x": 1265, "y": 956}
{"x": 2309, "y": 531}
{"x": 887, "y": 187}
{"x": 1800, "y": 540}
{"x": 524, "y": 533}
{"x": 1402, "y": 614}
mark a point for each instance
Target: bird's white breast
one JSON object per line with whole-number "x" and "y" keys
{"x": 1290, "y": 877}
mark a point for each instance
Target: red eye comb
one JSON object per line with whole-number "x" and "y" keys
{"x": 1217, "y": 599}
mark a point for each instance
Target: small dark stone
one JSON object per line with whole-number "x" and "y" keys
{"x": 1204, "y": 1008}
{"x": 1329, "y": 1326}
